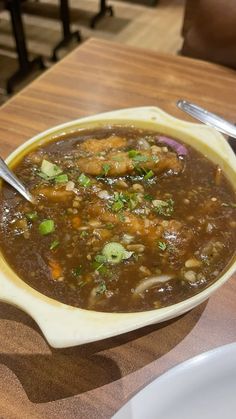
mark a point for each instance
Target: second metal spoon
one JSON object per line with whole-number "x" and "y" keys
{"x": 12, "y": 179}
{"x": 207, "y": 118}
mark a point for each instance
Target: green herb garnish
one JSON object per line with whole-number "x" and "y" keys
{"x": 133, "y": 153}
{"x": 77, "y": 271}
{"x": 105, "y": 169}
{"x": 117, "y": 206}
{"x": 120, "y": 200}
{"x": 140, "y": 158}
{"x": 45, "y": 177}
{"x": 115, "y": 252}
{"x": 121, "y": 217}
{"x": 99, "y": 265}
{"x": 100, "y": 258}
{"x": 148, "y": 197}
{"x": 32, "y": 216}
{"x": 84, "y": 234}
{"x": 49, "y": 170}
{"x": 149, "y": 174}
{"x": 84, "y": 180}
{"x": 162, "y": 246}
{"x": 155, "y": 158}
{"x": 110, "y": 226}
{"x": 132, "y": 200}
{"x": 54, "y": 244}
{"x": 101, "y": 288}
{"x": 46, "y": 227}
{"x": 61, "y": 178}
{"x": 165, "y": 208}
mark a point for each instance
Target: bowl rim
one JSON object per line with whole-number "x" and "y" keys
{"x": 46, "y": 310}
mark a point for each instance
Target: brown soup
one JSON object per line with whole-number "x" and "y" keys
{"x": 126, "y": 220}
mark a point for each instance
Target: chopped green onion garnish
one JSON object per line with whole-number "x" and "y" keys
{"x": 100, "y": 258}
{"x": 46, "y": 227}
{"x": 50, "y": 169}
{"x": 83, "y": 234}
{"x": 105, "y": 169}
{"x": 84, "y": 180}
{"x": 115, "y": 252}
{"x": 149, "y": 175}
{"x": 61, "y": 179}
{"x": 54, "y": 244}
{"x": 132, "y": 153}
{"x": 32, "y": 216}
{"x": 140, "y": 170}
{"x": 117, "y": 206}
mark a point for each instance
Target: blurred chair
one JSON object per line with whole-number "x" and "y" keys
{"x": 103, "y": 10}
{"x": 209, "y": 31}
{"x": 67, "y": 34}
{"x": 64, "y": 15}
{"x": 26, "y": 66}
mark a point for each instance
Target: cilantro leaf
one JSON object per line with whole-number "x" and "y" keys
{"x": 101, "y": 288}
{"x": 165, "y": 208}
{"x": 148, "y": 197}
{"x": 140, "y": 158}
{"x": 105, "y": 169}
{"x": 162, "y": 246}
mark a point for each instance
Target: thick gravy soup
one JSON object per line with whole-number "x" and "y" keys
{"x": 125, "y": 220}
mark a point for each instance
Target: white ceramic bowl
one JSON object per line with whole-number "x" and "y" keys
{"x": 65, "y": 326}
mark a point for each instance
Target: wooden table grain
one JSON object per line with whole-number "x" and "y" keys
{"x": 94, "y": 380}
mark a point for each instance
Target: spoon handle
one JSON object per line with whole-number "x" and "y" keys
{"x": 10, "y": 178}
{"x": 207, "y": 118}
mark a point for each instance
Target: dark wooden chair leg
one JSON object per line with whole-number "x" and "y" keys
{"x": 67, "y": 34}
{"x": 25, "y": 65}
{"x": 104, "y": 10}
{"x": 153, "y": 2}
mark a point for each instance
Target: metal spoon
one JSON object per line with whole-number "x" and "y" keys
{"x": 13, "y": 180}
{"x": 207, "y": 118}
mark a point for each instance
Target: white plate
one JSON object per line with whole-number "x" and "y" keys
{"x": 203, "y": 387}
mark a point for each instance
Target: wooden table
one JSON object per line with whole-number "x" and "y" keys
{"x": 93, "y": 381}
